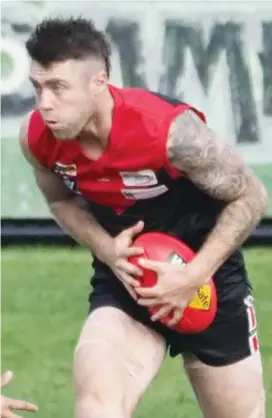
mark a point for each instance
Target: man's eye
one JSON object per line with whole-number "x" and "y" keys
{"x": 59, "y": 88}
{"x": 37, "y": 88}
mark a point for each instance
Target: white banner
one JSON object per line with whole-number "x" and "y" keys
{"x": 216, "y": 56}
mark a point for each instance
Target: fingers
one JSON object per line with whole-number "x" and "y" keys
{"x": 177, "y": 315}
{"x": 9, "y": 414}
{"x": 127, "y": 279}
{"x": 151, "y": 264}
{"x": 161, "y": 312}
{"x": 136, "y": 229}
{"x": 22, "y": 405}
{"x": 131, "y": 251}
{"x": 129, "y": 268}
{"x": 154, "y": 292}
{"x": 149, "y": 302}
{"x": 6, "y": 378}
{"x": 131, "y": 291}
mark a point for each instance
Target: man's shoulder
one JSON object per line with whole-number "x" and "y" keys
{"x": 36, "y": 117}
{"x": 37, "y": 128}
{"x": 29, "y": 137}
{"x": 146, "y": 101}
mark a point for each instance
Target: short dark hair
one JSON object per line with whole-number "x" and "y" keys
{"x": 55, "y": 40}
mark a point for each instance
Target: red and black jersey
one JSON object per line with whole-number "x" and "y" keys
{"x": 133, "y": 179}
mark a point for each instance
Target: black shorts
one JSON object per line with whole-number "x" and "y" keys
{"x": 231, "y": 337}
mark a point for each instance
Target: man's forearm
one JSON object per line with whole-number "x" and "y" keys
{"x": 71, "y": 215}
{"x": 233, "y": 226}
{"x": 196, "y": 151}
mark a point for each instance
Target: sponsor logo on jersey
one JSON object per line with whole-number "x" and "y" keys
{"x": 68, "y": 173}
{"x": 139, "y": 178}
{"x": 135, "y": 194}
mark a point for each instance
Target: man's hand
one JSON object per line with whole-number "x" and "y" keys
{"x": 176, "y": 287}
{"x": 8, "y": 405}
{"x": 121, "y": 251}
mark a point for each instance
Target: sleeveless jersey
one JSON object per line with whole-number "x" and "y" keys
{"x": 133, "y": 179}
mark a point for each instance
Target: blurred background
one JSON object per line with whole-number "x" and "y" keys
{"x": 216, "y": 56}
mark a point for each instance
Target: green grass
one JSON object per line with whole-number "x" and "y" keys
{"x": 44, "y": 302}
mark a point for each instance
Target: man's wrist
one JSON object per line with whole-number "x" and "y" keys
{"x": 201, "y": 271}
{"x": 105, "y": 251}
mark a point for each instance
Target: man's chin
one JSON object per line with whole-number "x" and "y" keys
{"x": 62, "y": 135}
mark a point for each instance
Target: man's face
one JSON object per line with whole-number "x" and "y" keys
{"x": 65, "y": 95}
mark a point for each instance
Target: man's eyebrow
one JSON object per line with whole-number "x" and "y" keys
{"x": 49, "y": 81}
{"x": 33, "y": 81}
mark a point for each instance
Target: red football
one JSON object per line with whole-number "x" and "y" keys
{"x": 158, "y": 246}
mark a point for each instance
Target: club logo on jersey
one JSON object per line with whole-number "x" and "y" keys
{"x": 139, "y": 178}
{"x": 135, "y": 194}
{"x": 68, "y": 173}
{"x": 252, "y": 324}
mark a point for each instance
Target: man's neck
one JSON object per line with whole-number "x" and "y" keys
{"x": 99, "y": 126}
{"x": 96, "y": 134}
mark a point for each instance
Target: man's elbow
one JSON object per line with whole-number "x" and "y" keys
{"x": 263, "y": 198}
{"x": 69, "y": 199}
{"x": 260, "y": 195}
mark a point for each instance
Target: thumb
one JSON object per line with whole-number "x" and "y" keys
{"x": 136, "y": 229}
{"x": 6, "y": 378}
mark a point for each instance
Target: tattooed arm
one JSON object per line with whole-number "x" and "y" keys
{"x": 196, "y": 151}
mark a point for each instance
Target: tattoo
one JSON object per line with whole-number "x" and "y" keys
{"x": 195, "y": 150}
